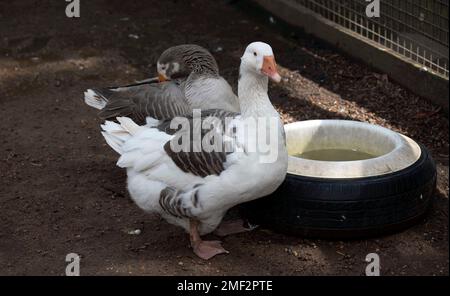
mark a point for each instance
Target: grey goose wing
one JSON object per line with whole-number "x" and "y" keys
{"x": 196, "y": 159}
{"x": 158, "y": 100}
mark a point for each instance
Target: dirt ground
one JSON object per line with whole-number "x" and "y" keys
{"x": 60, "y": 191}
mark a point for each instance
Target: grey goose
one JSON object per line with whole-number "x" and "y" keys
{"x": 188, "y": 79}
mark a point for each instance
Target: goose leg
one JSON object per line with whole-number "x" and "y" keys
{"x": 203, "y": 249}
{"x": 234, "y": 227}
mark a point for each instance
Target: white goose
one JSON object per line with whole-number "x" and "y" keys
{"x": 195, "y": 189}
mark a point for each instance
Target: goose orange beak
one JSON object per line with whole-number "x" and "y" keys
{"x": 269, "y": 68}
{"x": 162, "y": 77}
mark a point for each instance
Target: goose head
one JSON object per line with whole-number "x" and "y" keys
{"x": 170, "y": 66}
{"x": 258, "y": 59}
{"x": 181, "y": 60}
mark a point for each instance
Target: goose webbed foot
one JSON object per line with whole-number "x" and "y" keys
{"x": 208, "y": 249}
{"x": 204, "y": 249}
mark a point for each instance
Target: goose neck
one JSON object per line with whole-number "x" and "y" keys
{"x": 253, "y": 98}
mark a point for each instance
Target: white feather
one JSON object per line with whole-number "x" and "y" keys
{"x": 128, "y": 125}
{"x": 152, "y": 122}
{"x": 113, "y": 142}
{"x": 117, "y": 134}
{"x": 94, "y": 100}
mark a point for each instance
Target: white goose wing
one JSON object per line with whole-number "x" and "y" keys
{"x": 148, "y": 152}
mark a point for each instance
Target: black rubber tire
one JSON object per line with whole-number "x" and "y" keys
{"x": 348, "y": 208}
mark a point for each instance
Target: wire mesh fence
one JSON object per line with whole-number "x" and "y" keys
{"x": 415, "y": 29}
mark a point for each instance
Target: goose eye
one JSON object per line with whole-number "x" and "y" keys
{"x": 255, "y": 54}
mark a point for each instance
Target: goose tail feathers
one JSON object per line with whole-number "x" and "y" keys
{"x": 95, "y": 99}
{"x": 116, "y": 134}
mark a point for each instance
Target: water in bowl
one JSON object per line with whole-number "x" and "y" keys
{"x": 335, "y": 155}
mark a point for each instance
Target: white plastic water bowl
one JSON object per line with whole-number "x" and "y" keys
{"x": 393, "y": 151}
